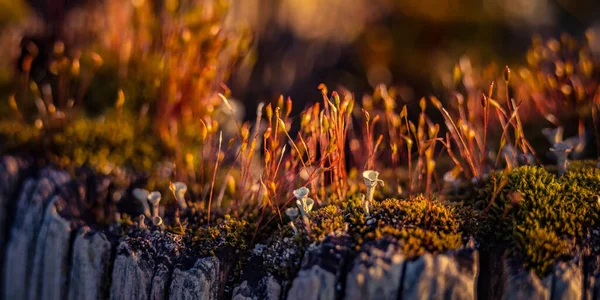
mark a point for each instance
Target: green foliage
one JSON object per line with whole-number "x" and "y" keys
{"x": 324, "y": 221}
{"x": 103, "y": 144}
{"x": 419, "y": 212}
{"x": 541, "y": 247}
{"x": 536, "y": 213}
{"x": 228, "y": 232}
{"x": 419, "y": 224}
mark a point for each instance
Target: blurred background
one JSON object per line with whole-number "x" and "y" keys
{"x": 263, "y": 48}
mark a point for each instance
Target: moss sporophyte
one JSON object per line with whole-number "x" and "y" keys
{"x": 251, "y": 169}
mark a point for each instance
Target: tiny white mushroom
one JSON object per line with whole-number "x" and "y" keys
{"x": 179, "y": 189}
{"x": 154, "y": 199}
{"x": 292, "y": 213}
{"x": 371, "y": 179}
{"x": 142, "y": 221}
{"x": 157, "y": 221}
{"x": 142, "y": 196}
{"x": 301, "y": 193}
{"x": 365, "y": 204}
{"x": 305, "y": 205}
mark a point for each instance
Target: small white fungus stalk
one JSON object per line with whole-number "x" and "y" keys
{"x": 157, "y": 221}
{"x": 365, "y": 204}
{"x": 142, "y": 221}
{"x": 292, "y": 213}
{"x": 142, "y": 196}
{"x": 179, "y": 189}
{"x": 304, "y": 204}
{"x": 154, "y": 199}
{"x": 371, "y": 179}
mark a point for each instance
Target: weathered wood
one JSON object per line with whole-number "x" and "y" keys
{"x": 376, "y": 272}
{"x": 267, "y": 288}
{"x": 90, "y": 266}
{"x": 133, "y": 269}
{"x": 524, "y": 284}
{"x": 51, "y": 260}
{"x": 255, "y": 281}
{"x": 443, "y": 276}
{"x": 567, "y": 282}
{"x": 591, "y": 270}
{"x": 20, "y": 248}
{"x": 167, "y": 247}
{"x": 11, "y": 173}
{"x": 323, "y": 270}
{"x": 200, "y": 281}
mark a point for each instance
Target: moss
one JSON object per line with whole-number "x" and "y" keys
{"x": 324, "y": 221}
{"x": 583, "y": 174}
{"x": 541, "y": 248}
{"x": 419, "y": 224}
{"x": 419, "y": 212}
{"x": 237, "y": 233}
{"x": 534, "y": 199}
{"x": 103, "y": 144}
{"x": 227, "y": 232}
{"x": 207, "y": 240}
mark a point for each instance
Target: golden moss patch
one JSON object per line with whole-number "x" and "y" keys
{"x": 103, "y": 143}
{"x": 419, "y": 224}
{"x": 536, "y": 214}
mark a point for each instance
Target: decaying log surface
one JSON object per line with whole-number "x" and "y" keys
{"x": 90, "y": 266}
{"x": 323, "y": 270}
{"x": 524, "y": 284}
{"x": 167, "y": 247}
{"x": 451, "y": 275}
{"x": 267, "y": 288}
{"x": 19, "y": 252}
{"x": 200, "y": 281}
{"x": 51, "y": 260}
{"x": 12, "y": 171}
{"x": 133, "y": 269}
{"x": 50, "y": 253}
{"x": 567, "y": 281}
{"x": 256, "y": 282}
{"x": 376, "y": 272}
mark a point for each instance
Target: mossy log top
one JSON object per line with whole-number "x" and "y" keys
{"x": 542, "y": 225}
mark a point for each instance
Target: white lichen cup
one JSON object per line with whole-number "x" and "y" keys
{"x": 371, "y": 179}
{"x": 154, "y": 199}
{"x": 179, "y": 189}
{"x": 292, "y": 213}
{"x": 142, "y": 196}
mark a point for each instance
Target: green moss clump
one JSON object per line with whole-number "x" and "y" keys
{"x": 419, "y": 212}
{"x": 536, "y": 214}
{"x": 582, "y": 174}
{"x": 103, "y": 144}
{"x": 324, "y": 221}
{"x": 541, "y": 247}
{"x": 237, "y": 233}
{"x": 228, "y": 232}
{"x": 419, "y": 224}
